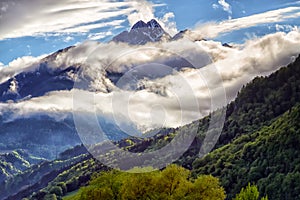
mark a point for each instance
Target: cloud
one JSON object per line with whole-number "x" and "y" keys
{"x": 169, "y": 23}
{"x": 162, "y": 101}
{"x": 288, "y": 28}
{"x": 226, "y": 7}
{"x": 212, "y": 30}
{"x": 144, "y": 10}
{"x": 68, "y": 39}
{"x": 98, "y": 36}
{"x": 36, "y": 17}
{"x": 18, "y": 65}
{"x": 215, "y": 6}
{"x": 39, "y": 18}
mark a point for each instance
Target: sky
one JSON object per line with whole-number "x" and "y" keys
{"x": 38, "y": 27}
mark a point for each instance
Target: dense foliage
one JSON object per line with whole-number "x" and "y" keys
{"x": 174, "y": 182}
{"x": 249, "y": 193}
{"x": 269, "y": 157}
{"x": 261, "y": 101}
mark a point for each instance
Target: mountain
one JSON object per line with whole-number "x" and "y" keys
{"x": 259, "y": 144}
{"x": 39, "y": 80}
{"x": 14, "y": 162}
{"x": 48, "y": 75}
{"x": 44, "y": 136}
{"x": 142, "y": 33}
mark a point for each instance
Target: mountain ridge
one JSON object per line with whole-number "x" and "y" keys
{"x": 142, "y": 33}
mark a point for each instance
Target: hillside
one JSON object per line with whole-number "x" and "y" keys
{"x": 268, "y": 157}
{"x": 15, "y": 162}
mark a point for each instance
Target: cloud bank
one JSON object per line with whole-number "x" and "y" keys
{"x": 178, "y": 97}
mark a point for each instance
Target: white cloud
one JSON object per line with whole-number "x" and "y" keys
{"x": 163, "y": 100}
{"x": 98, "y": 36}
{"x": 1, "y": 65}
{"x": 68, "y": 39}
{"x": 37, "y": 17}
{"x": 226, "y": 7}
{"x": 212, "y": 30}
{"x": 280, "y": 27}
{"x": 18, "y": 65}
{"x": 215, "y": 6}
{"x": 144, "y": 10}
{"x": 87, "y": 28}
{"x": 169, "y": 24}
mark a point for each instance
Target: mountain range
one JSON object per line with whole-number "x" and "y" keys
{"x": 46, "y": 76}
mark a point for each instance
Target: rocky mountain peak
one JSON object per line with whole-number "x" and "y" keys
{"x": 142, "y": 33}
{"x": 139, "y": 24}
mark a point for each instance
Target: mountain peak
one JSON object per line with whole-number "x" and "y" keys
{"x": 150, "y": 24}
{"x": 142, "y": 33}
{"x": 140, "y": 24}
{"x": 153, "y": 24}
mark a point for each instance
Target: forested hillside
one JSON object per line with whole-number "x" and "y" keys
{"x": 268, "y": 157}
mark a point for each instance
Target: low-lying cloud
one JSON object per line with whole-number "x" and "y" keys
{"x": 172, "y": 100}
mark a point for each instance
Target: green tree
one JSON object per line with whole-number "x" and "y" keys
{"x": 206, "y": 188}
{"x": 57, "y": 191}
{"x": 172, "y": 183}
{"x": 249, "y": 193}
{"x": 139, "y": 186}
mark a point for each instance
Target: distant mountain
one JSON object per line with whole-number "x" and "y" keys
{"x": 39, "y": 80}
{"x": 14, "y": 162}
{"x": 142, "y": 33}
{"x": 36, "y": 83}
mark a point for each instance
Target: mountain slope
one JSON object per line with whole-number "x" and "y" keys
{"x": 261, "y": 101}
{"x": 38, "y": 80}
{"x": 269, "y": 157}
{"x": 258, "y": 104}
{"x": 14, "y": 162}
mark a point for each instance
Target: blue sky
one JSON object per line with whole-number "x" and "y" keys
{"x": 37, "y": 27}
